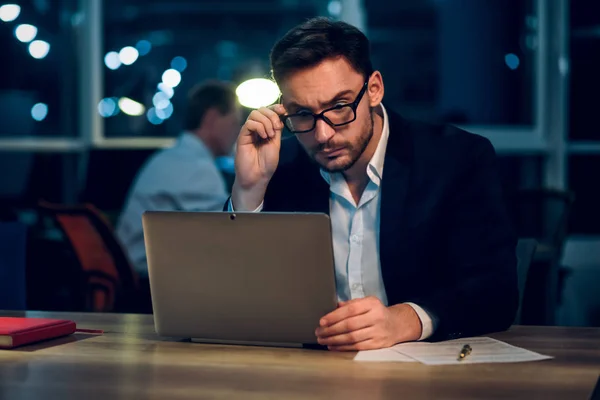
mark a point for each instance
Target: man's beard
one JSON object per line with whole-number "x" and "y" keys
{"x": 355, "y": 151}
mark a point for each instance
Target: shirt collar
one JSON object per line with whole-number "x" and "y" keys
{"x": 375, "y": 167}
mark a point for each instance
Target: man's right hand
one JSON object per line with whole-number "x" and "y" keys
{"x": 257, "y": 157}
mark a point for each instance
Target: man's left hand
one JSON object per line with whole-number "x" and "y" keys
{"x": 366, "y": 324}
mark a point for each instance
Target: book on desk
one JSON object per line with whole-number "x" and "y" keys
{"x": 19, "y": 331}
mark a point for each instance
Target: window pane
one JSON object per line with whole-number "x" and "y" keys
{"x": 38, "y": 86}
{"x": 463, "y": 61}
{"x": 109, "y": 176}
{"x": 228, "y": 40}
{"x": 585, "y": 64}
{"x": 585, "y": 217}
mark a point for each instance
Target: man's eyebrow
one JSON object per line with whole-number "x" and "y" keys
{"x": 343, "y": 93}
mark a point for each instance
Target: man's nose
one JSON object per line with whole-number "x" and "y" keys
{"x": 323, "y": 131}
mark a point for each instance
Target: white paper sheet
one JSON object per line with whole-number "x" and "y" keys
{"x": 382, "y": 355}
{"x": 484, "y": 350}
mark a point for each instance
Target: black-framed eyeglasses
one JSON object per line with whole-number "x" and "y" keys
{"x": 341, "y": 114}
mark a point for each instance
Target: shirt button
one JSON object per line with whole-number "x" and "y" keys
{"x": 354, "y": 239}
{"x": 355, "y": 286}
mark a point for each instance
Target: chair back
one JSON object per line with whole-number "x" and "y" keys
{"x": 110, "y": 281}
{"x": 525, "y": 251}
{"x": 543, "y": 214}
{"x": 12, "y": 266}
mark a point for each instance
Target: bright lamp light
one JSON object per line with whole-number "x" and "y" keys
{"x": 39, "y": 111}
{"x": 171, "y": 78}
{"x": 108, "y": 107}
{"x": 131, "y": 107}
{"x": 112, "y": 60}
{"x": 39, "y": 49}
{"x": 26, "y": 33}
{"x": 9, "y": 12}
{"x": 166, "y": 90}
{"x": 153, "y": 118}
{"x": 160, "y": 100}
{"x": 256, "y": 93}
{"x": 128, "y": 55}
{"x": 165, "y": 113}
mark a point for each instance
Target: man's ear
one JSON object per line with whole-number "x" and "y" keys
{"x": 375, "y": 89}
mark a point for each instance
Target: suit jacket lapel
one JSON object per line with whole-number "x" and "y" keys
{"x": 394, "y": 188}
{"x": 320, "y": 196}
{"x": 314, "y": 188}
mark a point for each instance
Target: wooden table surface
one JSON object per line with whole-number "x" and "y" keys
{"x": 131, "y": 362}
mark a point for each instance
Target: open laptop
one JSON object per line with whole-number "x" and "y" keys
{"x": 240, "y": 278}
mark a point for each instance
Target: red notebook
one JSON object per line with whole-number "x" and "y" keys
{"x": 17, "y": 331}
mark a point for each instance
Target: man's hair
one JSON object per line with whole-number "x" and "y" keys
{"x": 318, "y": 39}
{"x": 207, "y": 95}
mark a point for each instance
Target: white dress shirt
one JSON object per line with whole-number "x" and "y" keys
{"x": 355, "y": 234}
{"x": 184, "y": 177}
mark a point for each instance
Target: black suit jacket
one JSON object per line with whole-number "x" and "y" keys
{"x": 446, "y": 243}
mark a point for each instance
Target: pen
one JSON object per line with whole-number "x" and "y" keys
{"x": 466, "y": 350}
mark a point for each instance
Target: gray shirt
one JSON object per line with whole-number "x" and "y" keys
{"x": 181, "y": 178}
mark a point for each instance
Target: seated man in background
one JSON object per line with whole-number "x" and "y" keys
{"x": 422, "y": 243}
{"x": 184, "y": 177}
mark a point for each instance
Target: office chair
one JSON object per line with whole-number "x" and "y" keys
{"x": 543, "y": 214}
{"x": 110, "y": 284}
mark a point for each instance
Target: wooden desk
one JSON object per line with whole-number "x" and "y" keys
{"x": 130, "y": 362}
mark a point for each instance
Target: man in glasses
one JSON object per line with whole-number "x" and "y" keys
{"x": 422, "y": 244}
